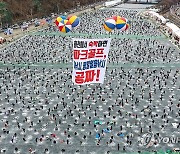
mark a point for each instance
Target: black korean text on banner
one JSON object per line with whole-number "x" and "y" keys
{"x": 89, "y": 60}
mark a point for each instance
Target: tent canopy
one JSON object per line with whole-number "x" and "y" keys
{"x": 158, "y": 16}
{"x": 174, "y": 28}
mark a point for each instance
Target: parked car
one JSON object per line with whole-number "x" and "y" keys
{"x": 24, "y": 27}
{"x": 29, "y": 23}
{"x": 16, "y": 26}
{"x": 37, "y": 23}
{"x": 1, "y": 30}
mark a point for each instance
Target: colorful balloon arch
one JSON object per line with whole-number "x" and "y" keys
{"x": 65, "y": 25}
{"x": 117, "y": 22}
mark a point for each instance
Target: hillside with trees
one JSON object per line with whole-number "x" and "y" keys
{"x": 166, "y": 4}
{"x": 17, "y": 10}
{"x": 12, "y": 11}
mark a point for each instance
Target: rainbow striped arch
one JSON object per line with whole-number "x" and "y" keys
{"x": 65, "y": 26}
{"x": 120, "y": 22}
{"x": 59, "y": 19}
{"x": 74, "y": 20}
{"x": 109, "y": 24}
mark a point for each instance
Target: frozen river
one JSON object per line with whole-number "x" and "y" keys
{"x": 135, "y": 110}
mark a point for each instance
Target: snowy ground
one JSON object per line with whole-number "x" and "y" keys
{"x": 42, "y": 110}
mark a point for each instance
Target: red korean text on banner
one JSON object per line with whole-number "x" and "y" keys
{"x": 87, "y": 76}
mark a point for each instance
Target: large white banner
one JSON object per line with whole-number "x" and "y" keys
{"x": 89, "y": 60}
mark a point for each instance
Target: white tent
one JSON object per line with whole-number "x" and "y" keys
{"x": 177, "y": 33}
{"x": 175, "y": 29}
{"x": 160, "y": 17}
{"x": 112, "y": 3}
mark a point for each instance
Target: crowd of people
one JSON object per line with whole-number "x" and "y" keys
{"x": 42, "y": 111}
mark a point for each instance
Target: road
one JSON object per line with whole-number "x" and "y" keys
{"x": 17, "y": 33}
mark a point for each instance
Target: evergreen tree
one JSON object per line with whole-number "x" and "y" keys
{"x": 5, "y": 14}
